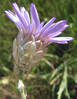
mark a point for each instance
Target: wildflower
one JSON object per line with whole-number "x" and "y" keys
{"x": 34, "y": 37}
{"x": 20, "y": 86}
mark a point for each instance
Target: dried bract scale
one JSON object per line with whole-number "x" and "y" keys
{"x": 34, "y": 37}
{"x": 27, "y": 52}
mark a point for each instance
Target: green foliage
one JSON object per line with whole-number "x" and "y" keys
{"x": 55, "y": 77}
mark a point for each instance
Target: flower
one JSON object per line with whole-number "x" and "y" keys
{"x": 20, "y": 86}
{"x": 34, "y": 37}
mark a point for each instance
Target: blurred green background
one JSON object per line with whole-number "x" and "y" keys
{"x": 55, "y": 77}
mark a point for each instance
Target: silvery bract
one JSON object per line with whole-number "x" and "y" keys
{"x": 34, "y": 37}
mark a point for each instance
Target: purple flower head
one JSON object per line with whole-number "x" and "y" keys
{"x": 34, "y": 36}
{"x": 46, "y": 33}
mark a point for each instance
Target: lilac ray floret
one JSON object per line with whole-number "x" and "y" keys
{"x": 14, "y": 19}
{"x": 34, "y": 15}
{"x": 25, "y": 14}
{"x": 61, "y": 40}
{"x": 53, "y": 34}
{"x": 58, "y": 27}
{"x": 48, "y": 24}
{"x": 22, "y": 10}
{"x": 41, "y": 25}
{"x": 20, "y": 15}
